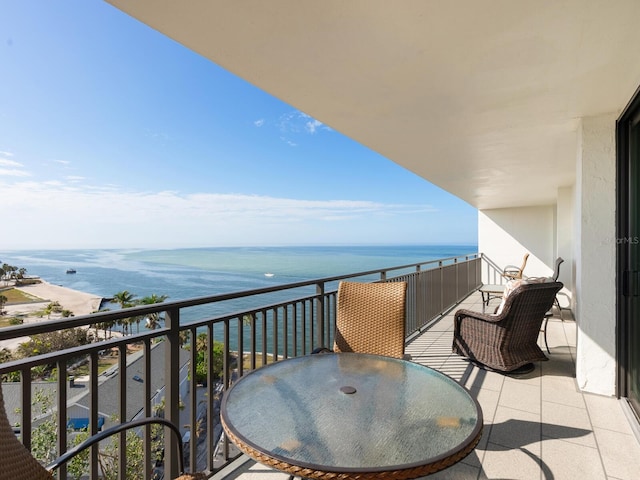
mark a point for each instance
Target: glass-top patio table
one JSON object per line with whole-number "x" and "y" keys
{"x": 348, "y": 415}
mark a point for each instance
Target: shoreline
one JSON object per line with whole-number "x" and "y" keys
{"x": 80, "y": 303}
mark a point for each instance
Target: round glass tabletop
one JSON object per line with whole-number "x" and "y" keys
{"x": 351, "y": 412}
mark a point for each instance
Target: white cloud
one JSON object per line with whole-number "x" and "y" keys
{"x": 11, "y": 168}
{"x": 13, "y": 172}
{"x": 74, "y": 178}
{"x": 9, "y": 163}
{"x": 70, "y": 216}
{"x": 294, "y": 123}
{"x": 312, "y": 125}
{"x": 299, "y": 122}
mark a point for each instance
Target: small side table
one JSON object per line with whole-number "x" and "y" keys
{"x": 489, "y": 292}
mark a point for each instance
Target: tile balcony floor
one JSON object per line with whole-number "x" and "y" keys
{"x": 538, "y": 426}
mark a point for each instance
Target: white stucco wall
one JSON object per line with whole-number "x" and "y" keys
{"x": 594, "y": 255}
{"x": 565, "y": 212}
{"x": 506, "y": 234}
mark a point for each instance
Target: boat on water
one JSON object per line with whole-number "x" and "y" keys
{"x": 71, "y": 270}
{"x": 269, "y": 274}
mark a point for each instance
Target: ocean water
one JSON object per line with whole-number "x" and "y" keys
{"x": 181, "y": 274}
{"x": 188, "y": 273}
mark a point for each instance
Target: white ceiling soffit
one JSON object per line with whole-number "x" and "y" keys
{"x": 482, "y": 98}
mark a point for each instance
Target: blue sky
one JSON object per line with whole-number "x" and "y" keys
{"x": 112, "y": 135}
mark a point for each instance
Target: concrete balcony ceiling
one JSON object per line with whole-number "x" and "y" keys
{"x": 480, "y": 97}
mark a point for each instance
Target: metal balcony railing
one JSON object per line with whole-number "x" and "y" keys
{"x": 492, "y": 273}
{"x": 249, "y": 329}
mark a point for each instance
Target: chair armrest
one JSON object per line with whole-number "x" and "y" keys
{"x": 511, "y": 273}
{"x": 484, "y": 317}
{"x": 69, "y": 454}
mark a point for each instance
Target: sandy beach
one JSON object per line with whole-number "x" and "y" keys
{"x": 80, "y": 303}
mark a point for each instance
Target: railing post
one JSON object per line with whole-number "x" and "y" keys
{"x": 62, "y": 414}
{"x": 320, "y": 312}
{"x": 147, "y": 403}
{"x": 122, "y": 408}
{"x": 93, "y": 411}
{"x": 25, "y": 416}
{"x": 457, "y": 271}
{"x": 172, "y": 388}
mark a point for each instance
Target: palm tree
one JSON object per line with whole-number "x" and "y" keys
{"x": 53, "y": 307}
{"x": 3, "y": 300}
{"x": 12, "y": 272}
{"x": 7, "y": 271}
{"x": 124, "y": 323}
{"x": 105, "y": 326}
{"x": 125, "y": 300}
{"x": 5, "y": 355}
{"x": 20, "y": 275}
{"x": 153, "y": 319}
{"x": 185, "y": 336}
{"x": 109, "y": 326}
{"x": 201, "y": 342}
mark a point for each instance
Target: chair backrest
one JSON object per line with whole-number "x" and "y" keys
{"x": 513, "y": 272}
{"x": 371, "y": 318}
{"x": 556, "y": 268}
{"x": 16, "y": 461}
{"x": 529, "y": 302}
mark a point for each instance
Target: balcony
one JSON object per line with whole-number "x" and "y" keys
{"x": 536, "y": 426}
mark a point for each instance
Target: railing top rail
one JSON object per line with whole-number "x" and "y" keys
{"x": 81, "y": 350}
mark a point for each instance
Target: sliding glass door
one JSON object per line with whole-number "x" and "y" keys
{"x": 628, "y": 241}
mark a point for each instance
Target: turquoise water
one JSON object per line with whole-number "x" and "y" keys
{"x": 186, "y": 273}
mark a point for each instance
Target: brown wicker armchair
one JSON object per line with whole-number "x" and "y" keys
{"x": 370, "y": 318}
{"x": 17, "y": 463}
{"x": 507, "y": 340}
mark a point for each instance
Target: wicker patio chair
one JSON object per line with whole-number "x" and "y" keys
{"x": 17, "y": 463}
{"x": 370, "y": 318}
{"x": 507, "y": 340}
{"x": 511, "y": 272}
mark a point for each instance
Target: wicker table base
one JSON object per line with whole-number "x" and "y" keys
{"x": 307, "y": 473}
